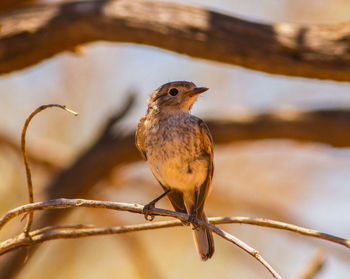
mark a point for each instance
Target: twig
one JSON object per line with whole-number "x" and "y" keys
{"x": 282, "y": 226}
{"x": 25, "y": 159}
{"x": 46, "y": 233}
{"x": 52, "y": 232}
{"x": 60, "y": 227}
{"x": 137, "y": 208}
{"x": 314, "y": 266}
{"x": 241, "y": 245}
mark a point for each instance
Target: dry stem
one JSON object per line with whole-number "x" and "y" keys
{"x": 25, "y": 159}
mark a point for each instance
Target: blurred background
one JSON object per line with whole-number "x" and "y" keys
{"x": 305, "y": 183}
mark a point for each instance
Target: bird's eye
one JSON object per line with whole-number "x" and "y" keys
{"x": 173, "y": 91}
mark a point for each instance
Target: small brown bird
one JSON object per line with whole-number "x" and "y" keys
{"x": 178, "y": 148}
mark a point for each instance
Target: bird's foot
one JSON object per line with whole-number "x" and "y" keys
{"x": 192, "y": 219}
{"x": 146, "y": 211}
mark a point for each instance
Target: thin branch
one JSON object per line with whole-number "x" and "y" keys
{"x": 60, "y": 232}
{"x": 314, "y": 266}
{"x": 38, "y": 237}
{"x": 32, "y": 35}
{"x": 60, "y": 227}
{"x": 137, "y": 208}
{"x": 241, "y": 245}
{"x": 25, "y": 158}
{"x": 75, "y": 231}
{"x": 282, "y": 226}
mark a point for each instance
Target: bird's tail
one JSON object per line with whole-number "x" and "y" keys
{"x": 203, "y": 238}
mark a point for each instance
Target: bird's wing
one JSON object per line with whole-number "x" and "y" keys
{"x": 140, "y": 137}
{"x": 207, "y": 152}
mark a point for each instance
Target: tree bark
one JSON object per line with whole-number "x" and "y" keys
{"x": 32, "y": 35}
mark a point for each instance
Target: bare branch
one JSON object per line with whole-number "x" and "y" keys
{"x": 28, "y": 240}
{"x": 25, "y": 158}
{"x": 137, "y": 208}
{"x": 282, "y": 226}
{"x": 60, "y": 227}
{"x": 51, "y": 233}
{"x": 35, "y": 34}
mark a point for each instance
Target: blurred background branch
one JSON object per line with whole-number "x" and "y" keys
{"x": 314, "y": 266}
{"x": 7, "y": 5}
{"x": 32, "y": 35}
{"x": 35, "y": 158}
{"x": 326, "y": 126}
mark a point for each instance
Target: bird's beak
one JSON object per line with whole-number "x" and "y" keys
{"x": 197, "y": 90}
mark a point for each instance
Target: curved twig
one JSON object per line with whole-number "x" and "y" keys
{"x": 25, "y": 159}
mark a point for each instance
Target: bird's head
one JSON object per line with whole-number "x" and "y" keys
{"x": 176, "y": 96}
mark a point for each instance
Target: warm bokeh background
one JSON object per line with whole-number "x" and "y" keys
{"x": 303, "y": 183}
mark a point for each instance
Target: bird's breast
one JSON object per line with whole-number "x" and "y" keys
{"x": 174, "y": 154}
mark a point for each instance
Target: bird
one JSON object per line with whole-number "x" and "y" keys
{"x": 178, "y": 148}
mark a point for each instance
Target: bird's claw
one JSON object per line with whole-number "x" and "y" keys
{"x": 146, "y": 209}
{"x": 192, "y": 219}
